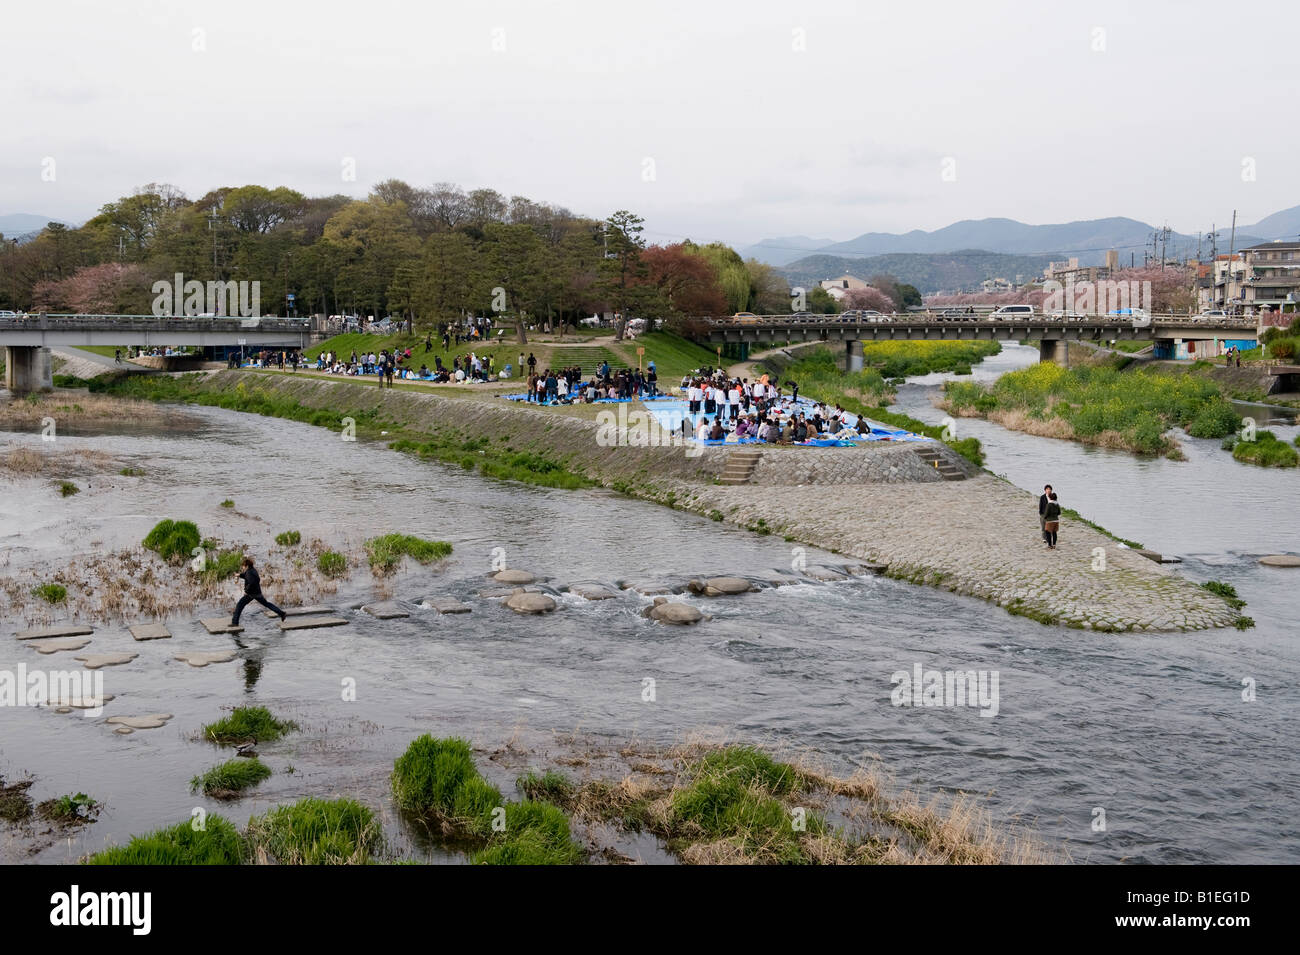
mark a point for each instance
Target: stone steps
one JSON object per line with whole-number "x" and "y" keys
{"x": 740, "y": 466}
{"x": 934, "y": 458}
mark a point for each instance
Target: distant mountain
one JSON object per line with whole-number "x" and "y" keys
{"x": 781, "y": 250}
{"x": 928, "y": 271}
{"x": 1088, "y": 239}
{"x": 19, "y": 225}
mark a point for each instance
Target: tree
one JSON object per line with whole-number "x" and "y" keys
{"x": 769, "y": 292}
{"x": 868, "y": 298}
{"x": 821, "y": 302}
{"x": 686, "y": 284}
{"x": 623, "y": 268}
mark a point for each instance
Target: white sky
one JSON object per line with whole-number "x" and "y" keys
{"x": 750, "y": 137}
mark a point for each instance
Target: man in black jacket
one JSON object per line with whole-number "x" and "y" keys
{"x": 252, "y": 591}
{"x": 1042, "y": 511}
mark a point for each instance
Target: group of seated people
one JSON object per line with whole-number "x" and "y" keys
{"x": 467, "y": 368}
{"x": 781, "y": 426}
{"x": 565, "y": 385}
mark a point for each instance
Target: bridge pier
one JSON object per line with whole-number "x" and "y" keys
{"x": 854, "y": 362}
{"x": 28, "y": 368}
{"x": 1054, "y": 350}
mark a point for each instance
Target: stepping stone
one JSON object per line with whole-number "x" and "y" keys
{"x": 670, "y": 611}
{"x": 69, "y": 630}
{"x": 220, "y": 625}
{"x": 55, "y": 644}
{"x": 387, "y": 610}
{"x": 531, "y": 603}
{"x": 201, "y": 658}
{"x": 649, "y": 588}
{"x": 67, "y": 706}
{"x": 311, "y": 623}
{"x": 128, "y": 724}
{"x": 720, "y": 586}
{"x": 592, "y": 592}
{"x": 93, "y": 661}
{"x": 823, "y": 574}
{"x": 300, "y": 612}
{"x": 514, "y": 577}
{"x": 780, "y": 580}
{"x": 1148, "y": 554}
{"x": 1272, "y": 560}
{"x": 150, "y": 631}
{"x": 444, "y": 605}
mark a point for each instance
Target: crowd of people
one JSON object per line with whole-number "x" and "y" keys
{"x": 566, "y": 385}
{"x": 397, "y": 364}
{"x": 722, "y": 408}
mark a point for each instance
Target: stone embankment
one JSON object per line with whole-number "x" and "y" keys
{"x": 881, "y": 503}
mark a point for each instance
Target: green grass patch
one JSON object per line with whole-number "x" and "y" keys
{"x": 1074, "y": 515}
{"x": 131, "y": 472}
{"x": 70, "y": 809}
{"x": 248, "y": 722}
{"x": 525, "y": 467}
{"x": 550, "y": 786}
{"x": 332, "y": 564}
{"x": 173, "y": 541}
{"x": 317, "y": 832}
{"x": 289, "y": 539}
{"x": 535, "y": 833}
{"x": 218, "y": 842}
{"x": 67, "y": 489}
{"x": 228, "y": 503}
{"x": 70, "y": 381}
{"x": 1101, "y": 402}
{"x": 1226, "y": 591}
{"x": 51, "y": 593}
{"x": 386, "y": 552}
{"x": 1266, "y": 451}
{"x": 231, "y": 778}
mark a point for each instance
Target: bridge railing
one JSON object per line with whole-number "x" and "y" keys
{"x": 80, "y": 322}
{"x": 936, "y": 318}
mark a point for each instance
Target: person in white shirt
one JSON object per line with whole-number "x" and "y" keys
{"x": 733, "y": 400}
{"x": 702, "y": 432}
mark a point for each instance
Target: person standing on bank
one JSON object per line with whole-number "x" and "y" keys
{"x": 1043, "y": 501}
{"x": 252, "y": 591}
{"x": 1052, "y": 520}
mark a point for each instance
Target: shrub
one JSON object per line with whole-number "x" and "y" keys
{"x": 332, "y": 564}
{"x": 67, "y": 489}
{"x": 217, "y": 843}
{"x": 1266, "y": 451}
{"x": 51, "y": 593}
{"x": 173, "y": 541}
{"x": 317, "y": 832}
{"x": 227, "y": 503}
{"x": 230, "y": 778}
{"x": 289, "y": 539}
{"x": 1283, "y": 348}
{"x": 248, "y": 722}
{"x": 386, "y": 552}
{"x": 70, "y": 808}
{"x": 1216, "y": 419}
{"x": 1226, "y": 591}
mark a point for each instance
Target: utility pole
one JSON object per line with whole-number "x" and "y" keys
{"x": 213, "y": 219}
{"x": 1232, "y": 244}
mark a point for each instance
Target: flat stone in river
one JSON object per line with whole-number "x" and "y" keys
{"x": 592, "y": 591}
{"x": 525, "y": 602}
{"x": 93, "y": 661}
{"x": 201, "y": 658}
{"x": 55, "y": 644}
{"x": 720, "y": 586}
{"x": 300, "y": 611}
{"x": 670, "y": 611}
{"x": 514, "y": 577}
{"x": 445, "y": 605}
{"x": 1280, "y": 560}
{"x": 386, "y": 610}
{"x": 66, "y": 630}
{"x": 311, "y": 623}
{"x": 150, "y": 631}
{"x": 220, "y": 625}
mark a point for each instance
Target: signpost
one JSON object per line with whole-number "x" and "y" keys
{"x": 639, "y": 353}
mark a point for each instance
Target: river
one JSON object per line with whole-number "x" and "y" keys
{"x": 1152, "y": 729}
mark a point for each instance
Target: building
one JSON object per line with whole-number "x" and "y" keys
{"x": 1070, "y": 271}
{"x": 1219, "y": 283}
{"x": 841, "y": 286}
{"x": 997, "y": 285}
{"x": 1271, "y": 275}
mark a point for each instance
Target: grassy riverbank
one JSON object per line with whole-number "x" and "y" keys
{"x": 1098, "y": 405}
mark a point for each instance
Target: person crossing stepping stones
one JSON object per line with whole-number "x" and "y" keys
{"x": 252, "y": 591}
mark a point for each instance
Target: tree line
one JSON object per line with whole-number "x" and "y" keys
{"x": 425, "y": 255}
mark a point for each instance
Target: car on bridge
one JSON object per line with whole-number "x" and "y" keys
{"x": 1008, "y": 313}
{"x": 747, "y": 318}
{"x": 1213, "y": 313}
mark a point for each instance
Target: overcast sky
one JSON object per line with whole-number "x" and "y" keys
{"x": 714, "y": 120}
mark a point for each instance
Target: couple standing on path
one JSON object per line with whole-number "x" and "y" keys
{"x": 1049, "y": 516}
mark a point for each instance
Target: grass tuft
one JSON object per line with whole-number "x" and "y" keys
{"x": 317, "y": 832}
{"x": 248, "y": 722}
{"x": 231, "y": 778}
{"x": 173, "y": 541}
{"x": 218, "y": 842}
{"x": 386, "y": 552}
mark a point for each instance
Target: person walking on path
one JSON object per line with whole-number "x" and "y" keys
{"x": 1052, "y": 520}
{"x": 252, "y": 591}
{"x": 1043, "y": 501}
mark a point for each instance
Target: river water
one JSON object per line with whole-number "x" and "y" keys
{"x": 1152, "y": 729}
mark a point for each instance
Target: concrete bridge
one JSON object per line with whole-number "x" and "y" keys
{"x": 27, "y": 339}
{"x": 1054, "y": 334}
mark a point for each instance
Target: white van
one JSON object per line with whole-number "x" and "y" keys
{"x": 1011, "y": 312}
